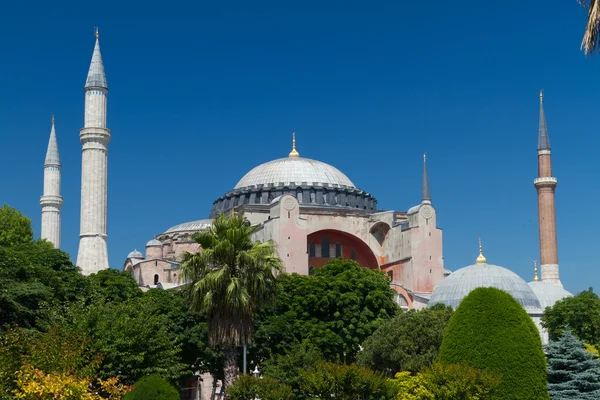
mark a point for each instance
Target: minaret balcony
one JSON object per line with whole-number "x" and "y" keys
{"x": 545, "y": 181}
{"x": 51, "y": 201}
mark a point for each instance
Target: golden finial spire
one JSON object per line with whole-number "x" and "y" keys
{"x": 535, "y": 272}
{"x": 294, "y": 153}
{"x": 481, "y": 259}
{"x": 97, "y": 35}
{"x": 53, "y": 120}
{"x": 541, "y": 96}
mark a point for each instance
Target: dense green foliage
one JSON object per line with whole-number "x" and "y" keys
{"x": 53, "y": 351}
{"x": 491, "y": 331}
{"x": 581, "y": 313}
{"x": 335, "y": 309}
{"x": 249, "y": 388}
{"x": 152, "y": 387}
{"x": 15, "y": 229}
{"x": 447, "y": 381}
{"x": 409, "y": 342}
{"x": 348, "y": 382}
{"x": 573, "y": 372}
{"x": 232, "y": 279}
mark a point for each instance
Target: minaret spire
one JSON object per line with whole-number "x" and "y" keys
{"x": 51, "y": 200}
{"x": 93, "y": 254}
{"x": 426, "y": 194}
{"x": 543, "y": 140}
{"x": 545, "y": 184}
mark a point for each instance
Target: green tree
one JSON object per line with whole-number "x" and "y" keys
{"x": 409, "y": 342}
{"x": 250, "y": 388}
{"x": 590, "y": 41}
{"x": 335, "y": 309}
{"x": 135, "y": 338}
{"x": 33, "y": 275}
{"x": 573, "y": 372}
{"x": 491, "y": 331}
{"x": 152, "y": 387}
{"x": 348, "y": 382}
{"x": 288, "y": 367}
{"x": 232, "y": 279}
{"x": 114, "y": 285}
{"x": 15, "y": 229}
{"x": 447, "y": 382}
{"x": 581, "y": 313}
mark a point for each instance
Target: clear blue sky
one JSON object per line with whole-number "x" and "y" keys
{"x": 201, "y": 92}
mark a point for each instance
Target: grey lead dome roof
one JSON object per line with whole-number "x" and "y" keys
{"x": 294, "y": 170}
{"x": 190, "y": 226}
{"x": 135, "y": 254}
{"x": 547, "y": 293}
{"x": 461, "y": 282}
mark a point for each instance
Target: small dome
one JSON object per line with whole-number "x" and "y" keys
{"x": 135, "y": 254}
{"x": 153, "y": 242}
{"x": 460, "y": 283}
{"x": 547, "y": 293}
{"x": 294, "y": 170}
{"x": 190, "y": 226}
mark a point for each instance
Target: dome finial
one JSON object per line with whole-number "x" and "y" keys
{"x": 294, "y": 153}
{"x": 481, "y": 259}
{"x": 535, "y": 272}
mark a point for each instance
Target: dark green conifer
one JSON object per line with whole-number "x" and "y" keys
{"x": 573, "y": 372}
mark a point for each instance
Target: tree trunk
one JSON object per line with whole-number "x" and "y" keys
{"x": 230, "y": 370}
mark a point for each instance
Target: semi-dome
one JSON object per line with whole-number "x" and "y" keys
{"x": 135, "y": 254}
{"x": 461, "y": 282}
{"x": 190, "y": 226}
{"x": 295, "y": 170}
{"x": 154, "y": 242}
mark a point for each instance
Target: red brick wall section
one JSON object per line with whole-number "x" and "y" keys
{"x": 364, "y": 255}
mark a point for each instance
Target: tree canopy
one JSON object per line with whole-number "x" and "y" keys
{"x": 409, "y": 342}
{"x": 15, "y": 229}
{"x": 573, "y": 372}
{"x": 152, "y": 387}
{"x": 581, "y": 313}
{"x": 335, "y": 309}
{"x": 491, "y": 331}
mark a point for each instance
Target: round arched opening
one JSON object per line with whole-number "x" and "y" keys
{"x": 327, "y": 244}
{"x": 379, "y": 232}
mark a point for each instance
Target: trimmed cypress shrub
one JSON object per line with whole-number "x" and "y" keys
{"x": 152, "y": 387}
{"x": 491, "y": 331}
{"x": 573, "y": 372}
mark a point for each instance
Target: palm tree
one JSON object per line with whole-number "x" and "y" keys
{"x": 592, "y": 30}
{"x": 231, "y": 278}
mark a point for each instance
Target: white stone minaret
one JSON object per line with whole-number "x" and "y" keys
{"x": 93, "y": 254}
{"x": 51, "y": 201}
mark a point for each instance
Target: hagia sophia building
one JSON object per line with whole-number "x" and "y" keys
{"x": 312, "y": 212}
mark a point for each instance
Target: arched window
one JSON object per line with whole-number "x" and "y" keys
{"x": 299, "y": 195}
{"x": 156, "y": 279}
{"x": 353, "y": 254}
{"x": 310, "y": 269}
{"x": 312, "y": 250}
{"x": 313, "y": 196}
{"x": 325, "y": 247}
{"x": 338, "y": 250}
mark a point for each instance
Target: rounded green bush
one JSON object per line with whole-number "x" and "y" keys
{"x": 152, "y": 387}
{"x": 491, "y": 331}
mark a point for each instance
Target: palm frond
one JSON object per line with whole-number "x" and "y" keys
{"x": 592, "y": 30}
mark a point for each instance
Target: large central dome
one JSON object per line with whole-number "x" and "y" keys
{"x": 295, "y": 170}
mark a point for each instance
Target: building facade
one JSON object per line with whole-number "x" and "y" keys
{"x": 313, "y": 213}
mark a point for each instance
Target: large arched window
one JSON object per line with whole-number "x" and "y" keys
{"x": 312, "y": 250}
{"x": 338, "y": 250}
{"x": 325, "y": 247}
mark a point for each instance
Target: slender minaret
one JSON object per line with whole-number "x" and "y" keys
{"x": 51, "y": 201}
{"x": 93, "y": 255}
{"x": 545, "y": 184}
{"x": 426, "y": 194}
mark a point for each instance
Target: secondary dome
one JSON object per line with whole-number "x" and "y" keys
{"x": 461, "y": 282}
{"x": 295, "y": 170}
{"x": 154, "y": 242}
{"x": 135, "y": 254}
{"x": 190, "y": 226}
{"x": 546, "y": 293}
